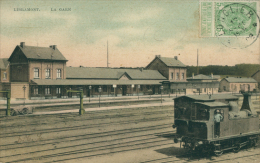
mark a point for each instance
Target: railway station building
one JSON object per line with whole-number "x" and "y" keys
{"x": 41, "y": 73}
{"x": 237, "y": 84}
{"x": 177, "y": 82}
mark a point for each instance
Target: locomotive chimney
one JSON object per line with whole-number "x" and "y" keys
{"x": 247, "y": 104}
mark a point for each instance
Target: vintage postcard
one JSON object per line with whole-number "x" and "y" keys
{"x": 118, "y": 81}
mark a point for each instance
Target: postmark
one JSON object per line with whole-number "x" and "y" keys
{"x": 235, "y": 24}
{"x": 235, "y": 19}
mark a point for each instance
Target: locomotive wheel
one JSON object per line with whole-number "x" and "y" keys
{"x": 13, "y": 112}
{"x": 252, "y": 143}
{"x": 218, "y": 152}
{"x": 236, "y": 148}
{"x": 25, "y": 111}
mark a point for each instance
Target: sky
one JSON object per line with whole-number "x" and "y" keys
{"x": 135, "y": 31}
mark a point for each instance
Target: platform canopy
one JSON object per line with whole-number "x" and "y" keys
{"x": 94, "y": 82}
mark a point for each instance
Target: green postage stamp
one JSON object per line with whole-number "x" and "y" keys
{"x": 229, "y": 18}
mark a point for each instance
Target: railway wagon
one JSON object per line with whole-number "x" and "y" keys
{"x": 215, "y": 123}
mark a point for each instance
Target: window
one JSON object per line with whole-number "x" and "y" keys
{"x": 202, "y": 113}
{"x": 36, "y": 73}
{"x": 172, "y": 75}
{"x": 96, "y": 88}
{"x": 47, "y": 90}
{"x": 59, "y": 73}
{"x": 5, "y": 76}
{"x": 112, "y": 89}
{"x": 104, "y": 88}
{"x": 205, "y": 89}
{"x": 134, "y": 88}
{"x": 47, "y": 73}
{"x": 177, "y": 76}
{"x": 58, "y": 91}
{"x": 35, "y": 91}
{"x": 182, "y": 76}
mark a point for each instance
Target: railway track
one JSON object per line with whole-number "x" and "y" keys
{"x": 98, "y": 151}
{"x": 90, "y": 115}
{"x": 98, "y": 146}
{"x": 82, "y": 137}
{"x": 69, "y": 137}
{"x": 82, "y": 122}
{"x": 125, "y": 135}
{"x": 110, "y": 145}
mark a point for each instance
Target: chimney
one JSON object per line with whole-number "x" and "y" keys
{"x": 211, "y": 75}
{"x": 247, "y": 104}
{"x": 53, "y": 47}
{"x": 22, "y": 44}
{"x": 176, "y": 57}
{"x": 159, "y": 56}
{"x": 141, "y": 69}
{"x": 192, "y": 75}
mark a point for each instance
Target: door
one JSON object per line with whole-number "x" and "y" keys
{"x": 124, "y": 89}
{"x": 218, "y": 118}
{"x": 153, "y": 89}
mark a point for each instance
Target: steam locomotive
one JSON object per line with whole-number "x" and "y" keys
{"x": 215, "y": 123}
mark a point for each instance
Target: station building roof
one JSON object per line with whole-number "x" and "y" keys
{"x": 93, "y": 82}
{"x": 169, "y": 62}
{"x": 112, "y": 73}
{"x": 239, "y": 80}
{"x": 172, "y": 62}
{"x": 3, "y": 63}
{"x": 40, "y": 53}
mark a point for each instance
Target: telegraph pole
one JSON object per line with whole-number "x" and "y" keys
{"x": 107, "y": 54}
{"x": 197, "y": 61}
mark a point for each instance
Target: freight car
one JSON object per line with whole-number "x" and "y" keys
{"x": 215, "y": 123}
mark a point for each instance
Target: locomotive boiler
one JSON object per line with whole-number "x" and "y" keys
{"x": 215, "y": 123}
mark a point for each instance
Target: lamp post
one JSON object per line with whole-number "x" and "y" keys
{"x": 24, "y": 88}
{"x": 161, "y": 87}
{"x": 114, "y": 87}
{"x": 81, "y": 110}
{"x": 89, "y": 92}
{"x": 138, "y": 87}
{"x": 99, "y": 90}
{"x": 132, "y": 89}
